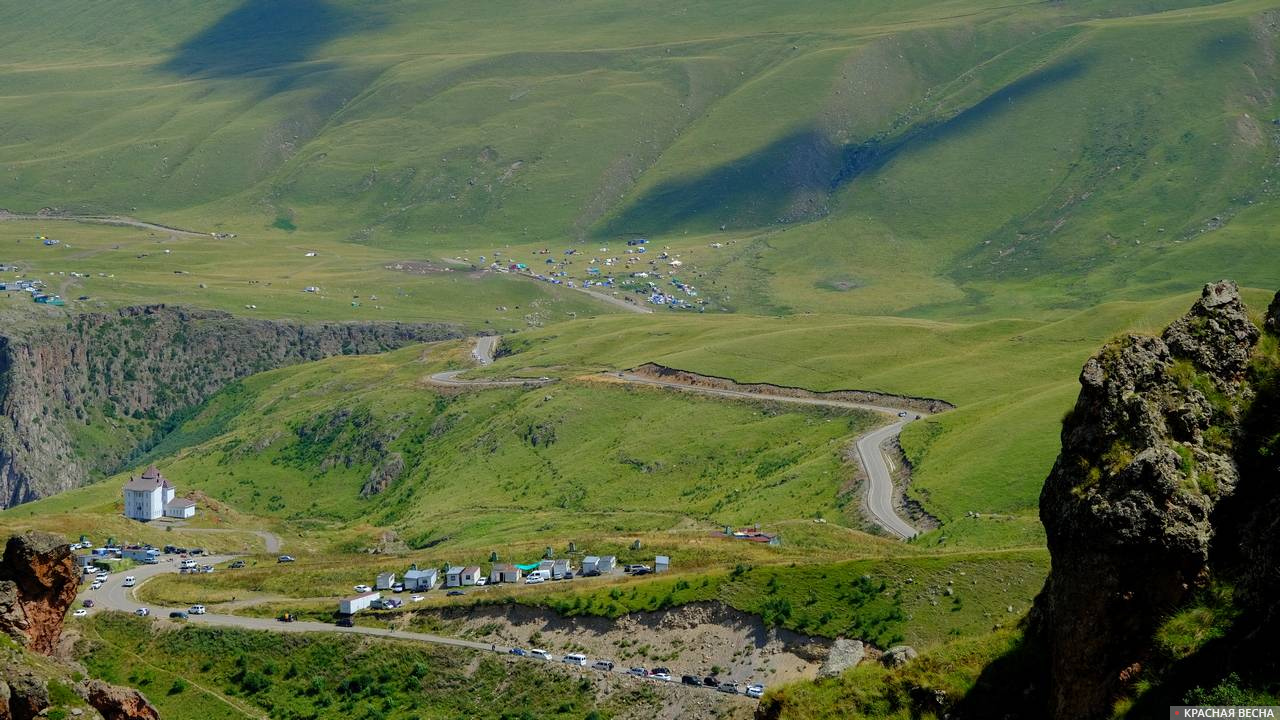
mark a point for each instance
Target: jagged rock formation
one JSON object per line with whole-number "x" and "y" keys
{"x": 117, "y": 703}
{"x": 38, "y": 580}
{"x": 143, "y": 364}
{"x": 1140, "y": 508}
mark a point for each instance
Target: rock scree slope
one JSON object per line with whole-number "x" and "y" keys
{"x": 115, "y": 377}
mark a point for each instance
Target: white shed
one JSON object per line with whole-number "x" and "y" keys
{"x": 661, "y": 564}
{"x": 384, "y": 581}
{"x": 470, "y": 575}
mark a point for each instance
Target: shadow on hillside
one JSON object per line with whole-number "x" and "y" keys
{"x": 793, "y": 178}
{"x": 262, "y": 35}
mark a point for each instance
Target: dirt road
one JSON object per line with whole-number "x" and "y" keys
{"x": 118, "y": 220}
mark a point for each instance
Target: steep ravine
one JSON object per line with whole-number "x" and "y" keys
{"x": 76, "y": 399}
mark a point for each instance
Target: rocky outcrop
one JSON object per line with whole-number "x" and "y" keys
{"x": 844, "y": 654}
{"x": 23, "y": 696}
{"x": 143, "y": 364}
{"x": 1149, "y": 454}
{"x": 117, "y": 703}
{"x": 38, "y": 580}
{"x": 899, "y": 655}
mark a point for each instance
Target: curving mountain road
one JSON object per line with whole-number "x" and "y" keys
{"x": 869, "y": 445}
{"x": 482, "y": 353}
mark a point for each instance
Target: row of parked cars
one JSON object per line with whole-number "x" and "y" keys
{"x": 662, "y": 674}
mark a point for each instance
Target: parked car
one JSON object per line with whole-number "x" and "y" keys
{"x": 517, "y": 651}
{"x": 902, "y": 414}
{"x": 130, "y": 581}
{"x": 88, "y": 602}
{"x": 575, "y": 659}
{"x": 345, "y": 622}
{"x": 755, "y": 690}
{"x": 416, "y": 598}
{"x": 102, "y": 577}
{"x": 642, "y": 571}
{"x": 728, "y": 687}
{"x": 178, "y": 615}
{"x": 533, "y": 580}
{"x": 398, "y": 587}
{"x": 170, "y": 549}
{"x": 591, "y": 573}
{"x": 540, "y": 654}
{"x": 285, "y": 558}
{"x": 196, "y": 610}
{"x": 638, "y": 672}
{"x": 663, "y": 676}
{"x": 454, "y": 593}
{"x": 362, "y": 589}
{"x": 482, "y": 581}
{"x": 80, "y": 612}
{"x": 142, "y": 612}
{"x": 709, "y": 681}
{"x": 197, "y": 551}
{"x": 237, "y": 565}
{"x": 97, "y": 584}
{"x": 603, "y": 665}
{"x": 689, "y": 680}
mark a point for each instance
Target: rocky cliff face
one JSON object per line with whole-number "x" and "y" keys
{"x": 1143, "y": 507}
{"x": 38, "y": 581}
{"x": 78, "y": 398}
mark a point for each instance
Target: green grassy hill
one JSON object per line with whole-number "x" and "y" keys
{"x": 872, "y": 156}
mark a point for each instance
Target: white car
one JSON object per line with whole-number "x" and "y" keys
{"x": 416, "y": 598}
{"x": 663, "y": 676}
{"x": 540, "y": 654}
{"x": 755, "y": 691}
{"x": 142, "y": 612}
{"x": 482, "y": 581}
{"x": 81, "y": 612}
{"x": 130, "y": 581}
{"x": 363, "y": 589}
{"x": 102, "y": 577}
{"x": 196, "y": 610}
{"x": 95, "y": 586}
{"x": 533, "y": 580}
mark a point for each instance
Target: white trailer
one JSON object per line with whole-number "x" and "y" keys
{"x": 356, "y": 603}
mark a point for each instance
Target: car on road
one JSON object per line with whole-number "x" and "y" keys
{"x": 95, "y": 585}
{"x": 689, "y": 680}
{"x": 206, "y": 568}
{"x": 88, "y": 602}
{"x": 142, "y": 612}
{"x": 517, "y": 651}
{"x": 575, "y": 659}
{"x": 178, "y": 614}
{"x": 728, "y": 687}
{"x": 902, "y": 414}
{"x": 362, "y": 589}
{"x": 662, "y": 675}
{"x": 540, "y": 654}
{"x": 197, "y": 551}
{"x": 755, "y": 690}
{"x": 102, "y": 577}
{"x": 710, "y": 682}
{"x": 454, "y": 593}
{"x": 641, "y": 571}
{"x": 284, "y": 559}
{"x": 345, "y": 622}
{"x": 80, "y": 612}
{"x": 236, "y": 565}
{"x": 130, "y": 581}
{"x": 196, "y": 610}
{"x": 638, "y": 672}
{"x": 603, "y": 665}
{"x": 416, "y": 598}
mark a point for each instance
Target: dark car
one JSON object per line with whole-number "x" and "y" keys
{"x": 170, "y": 549}
{"x": 642, "y": 571}
{"x": 197, "y": 551}
{"x": 454, "y": 593}
{"x": 237, "y": 565}
{"x": 284, "y": 559}
{"x": 690, "y": 680}
{"x": 178, "y": 614}
{"x": 345, "y": 622}
{"x": 709, "y": 681}
{"x": 88, "y": 602}
{"x": 591, "y": 573}
{"x": 517, "y": 651}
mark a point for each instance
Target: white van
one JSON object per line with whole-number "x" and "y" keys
{"x": 575, "y": 659}
{"x": 540, "y": 654}
{"x": 129, "y": 581}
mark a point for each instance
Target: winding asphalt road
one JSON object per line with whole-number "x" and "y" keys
{"x": 482, "y": 352}
{"x": 869, "y": 445}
